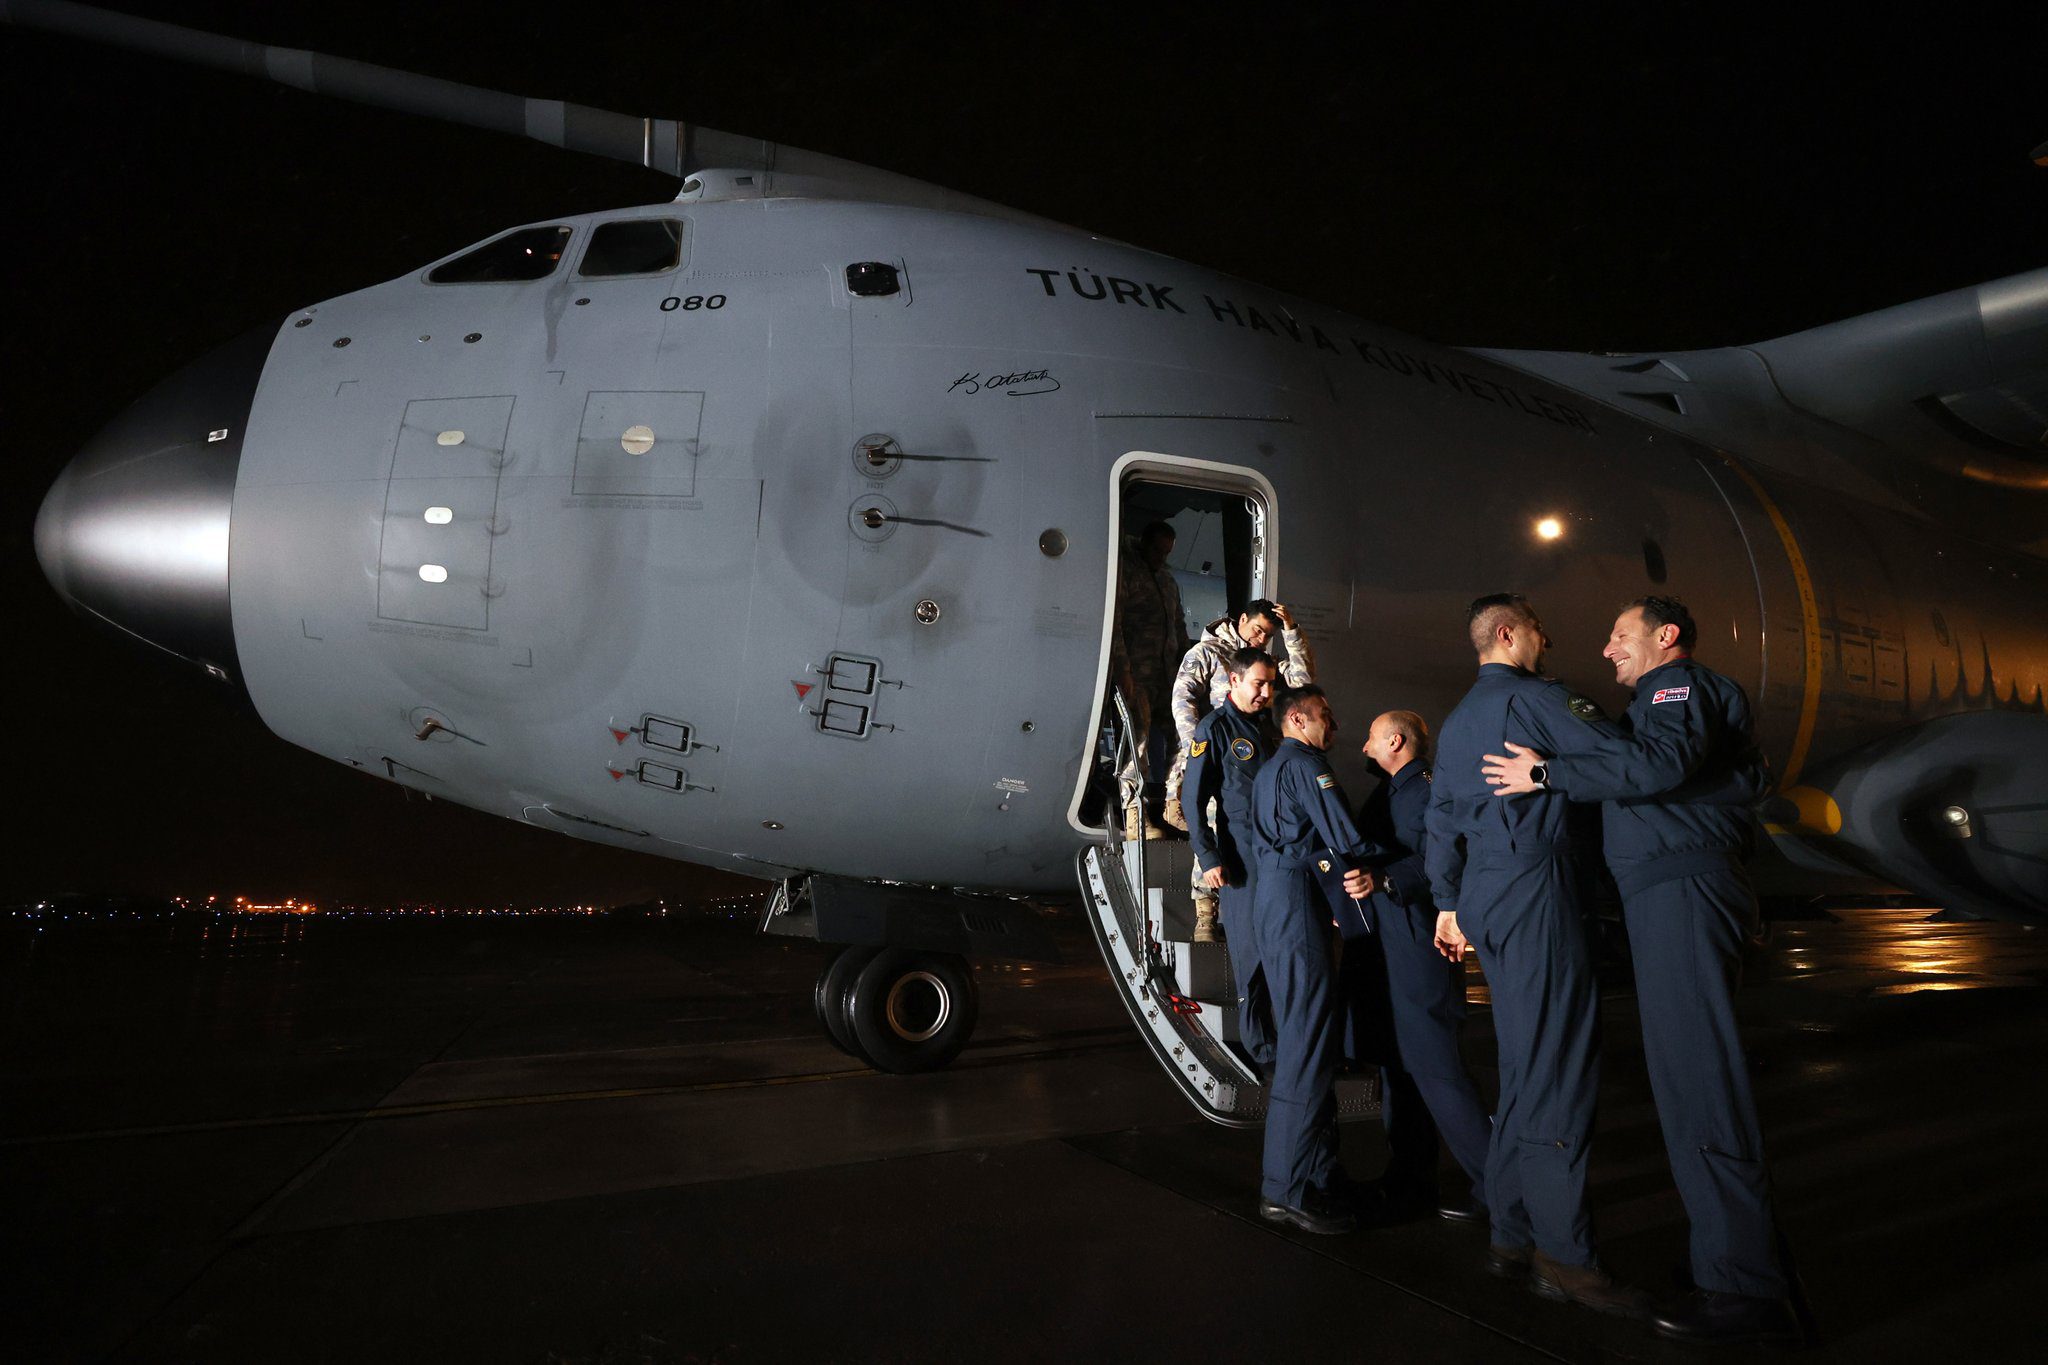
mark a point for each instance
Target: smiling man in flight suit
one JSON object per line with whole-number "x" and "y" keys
{"x": 1229, "y": 748}
{"x": 1508, "y": 874}
{"x": 1198, "y": 689}
{"x": 1676, "y": 839}
{"x": 1299, "y": 818}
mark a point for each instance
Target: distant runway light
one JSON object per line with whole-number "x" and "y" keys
{"x": 1550, "y": 528}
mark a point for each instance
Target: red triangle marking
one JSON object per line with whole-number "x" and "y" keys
{"x": 616, "y": 774}
{"x": 620, "y": 735}
{"x": 802, "y": 689}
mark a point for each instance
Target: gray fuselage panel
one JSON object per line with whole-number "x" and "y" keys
{"x": 655, "y": 504}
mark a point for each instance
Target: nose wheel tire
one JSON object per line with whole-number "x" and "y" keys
{"x": 830, "y": 998}
{"x": 911, "y": 1011}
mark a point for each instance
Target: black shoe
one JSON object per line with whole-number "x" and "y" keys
{"x": 1508, "y": 1263}
{"x": 1326, "y": 1222}
{"x": 1461, "y": 1209}
{"x": 1587, "y": 1286}
{"x": 1716, "y": 1319}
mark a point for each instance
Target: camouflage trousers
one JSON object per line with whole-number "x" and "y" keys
{"x": 1148, "y": 745}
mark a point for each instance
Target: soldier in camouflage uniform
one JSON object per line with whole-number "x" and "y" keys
{"x": 1200, "y": 687}
{"x": 1150, "y": 639}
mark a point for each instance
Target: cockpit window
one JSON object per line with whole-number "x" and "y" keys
{"x": 634, "y": 246}
{"x": 528, "y": 254}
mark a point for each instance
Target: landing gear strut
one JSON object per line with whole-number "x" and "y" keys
{"x": 898, "y": 1009}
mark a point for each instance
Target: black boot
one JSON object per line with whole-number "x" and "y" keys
{"x": 1717, "y": 1319}
{"x": 1461, "y": 1208}
{"x": 1315, "y": 1216}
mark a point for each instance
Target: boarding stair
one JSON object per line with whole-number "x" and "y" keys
{"x": 1180, "y": 993}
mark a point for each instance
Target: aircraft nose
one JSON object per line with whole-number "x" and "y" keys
{"x": 135, "y": 529}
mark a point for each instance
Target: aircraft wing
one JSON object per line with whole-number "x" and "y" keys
{"x": 1956, "y": 384}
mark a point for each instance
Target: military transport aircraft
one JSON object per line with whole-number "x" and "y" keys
{"x": 773, "y": 527}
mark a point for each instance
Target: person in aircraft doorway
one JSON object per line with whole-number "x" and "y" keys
{"x": 1404, "y": 1003}
{"x": 1676, "y": 830}
{"x": 1199, "y": 688}
{"x": 1150, "y": 638}
{"x": 1231, "y": 744}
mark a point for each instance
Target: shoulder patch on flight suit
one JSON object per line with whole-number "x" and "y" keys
{"x": 1670, "y": 694}
{"x": 1326, "y": 780}
{"x": 1198, "y": 748}
{"x": 1584, "y": 708}
{"x": 1241, "y": 749}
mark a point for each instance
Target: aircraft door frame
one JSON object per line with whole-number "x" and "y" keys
{"x": 1151, "y": 466}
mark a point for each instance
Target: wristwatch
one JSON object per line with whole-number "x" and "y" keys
{"x": 1540, "y": 775}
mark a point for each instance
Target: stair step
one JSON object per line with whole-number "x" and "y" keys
{"x": 1219, "y": 1020}
{"x": 1201, "y": 971}
{"x": 1358, "y": 1096}
{"x": 1168, "y": 863}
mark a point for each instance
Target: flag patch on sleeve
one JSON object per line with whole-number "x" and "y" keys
{"x": 1198, "y": 748}
{"x": 1326, "y": 780}
{"x": 1670, "y": 694}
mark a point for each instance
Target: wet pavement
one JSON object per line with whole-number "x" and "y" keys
{"x": 590, "y": 1140}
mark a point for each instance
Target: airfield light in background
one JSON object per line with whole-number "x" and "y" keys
{"x": 1550, "y": 528}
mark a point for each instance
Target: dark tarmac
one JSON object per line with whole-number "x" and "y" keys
{"x": 586, "y": 1140}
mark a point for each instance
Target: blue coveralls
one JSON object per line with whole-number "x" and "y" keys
{"x": 1507, "y": 868}
{"x": 1677, "y": 855}
{"x": 1299, "y": 817}
{"x": 1407, "y": 1002}
{"x": 1224, "y": 757}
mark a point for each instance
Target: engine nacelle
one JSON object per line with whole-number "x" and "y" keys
{"x": 1956, "y": 808}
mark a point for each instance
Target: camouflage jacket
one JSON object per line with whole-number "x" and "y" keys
{"x": 1204, "y": 679}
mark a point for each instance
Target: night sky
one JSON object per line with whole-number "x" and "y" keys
{"x": 1665, "y": 176}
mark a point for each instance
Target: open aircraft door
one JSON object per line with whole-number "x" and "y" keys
{"x": 1138, "y": 893}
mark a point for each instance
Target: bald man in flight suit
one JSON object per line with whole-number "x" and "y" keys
{"x": 1406, "y": 1002}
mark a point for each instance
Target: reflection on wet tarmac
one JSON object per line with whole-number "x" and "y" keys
{"x": 1869, "y": 951}
{"x": 1902, "y": 952}
{"x": 243, "y": 1134}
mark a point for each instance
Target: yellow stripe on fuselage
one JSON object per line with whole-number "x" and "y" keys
{"x": 1809, "y": 613}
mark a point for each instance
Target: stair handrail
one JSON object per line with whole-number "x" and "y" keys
{"x": 1126, "y": 751}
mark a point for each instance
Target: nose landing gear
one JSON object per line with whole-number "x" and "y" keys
{"x": 899, "y": 1009}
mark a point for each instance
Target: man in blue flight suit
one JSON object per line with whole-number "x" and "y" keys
{"x": 1299, "y": 819}
{"x": 1507, "y": 873}
{"x": 1676, "y": 847}
{"x": 1406, "y": 1001}
{"x": 1229, "y": 747}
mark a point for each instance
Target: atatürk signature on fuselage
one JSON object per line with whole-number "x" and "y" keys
{"x": 1023, "y": 384}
